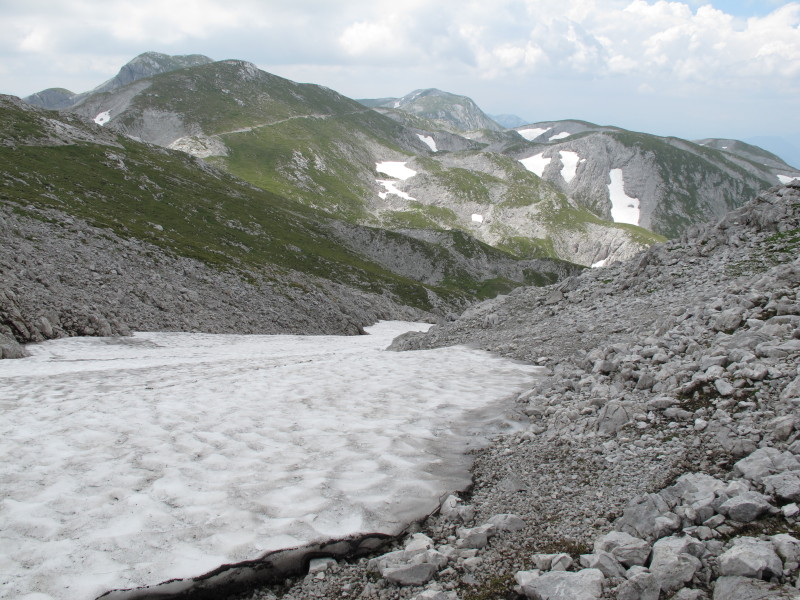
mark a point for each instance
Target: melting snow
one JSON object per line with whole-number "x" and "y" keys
{"x": 103, "y": 118}
{"x": 398, "y": 170}
{"x": 560, "y": 136}
{"x": 784, "y": 179}
{"x": 624, "y": 209}
{"x": 476, "y": 218}
{"x": 131, "y": 461}
{"x": 533, "y": 133}
{"x": 391, "y": 188}
{"x": 569, "y": 161}
{"x": 429, "y": 141}
{"x": 600, "y": 263}
{"x": 535, "y": 164}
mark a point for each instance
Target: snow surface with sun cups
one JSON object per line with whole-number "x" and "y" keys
{"x": 132, "y": 461}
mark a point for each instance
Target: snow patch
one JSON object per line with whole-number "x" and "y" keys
{"x": 560, "y": 136}
{"x": 624, "y": 209}
{"x": 536, "y": 164}
{"x": 132, "y": 461}
{"x": 569, "y": 161}
{"x": 395, "y": 169}
{"x": 429, "y": 141}
{"x": 600, "y": 263}
{"x": 476, "y": 218}
{"x": 103, "y": 118}
{"x": 784, "y": 179}
{"x": 533, "y": 133}
{"x": 391, "y": 188}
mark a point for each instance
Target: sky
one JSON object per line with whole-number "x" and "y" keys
{"x": 693, "y": 69}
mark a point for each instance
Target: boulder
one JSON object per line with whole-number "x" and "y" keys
{"x": 506, "y": 522}
{"x": 750, "y": 557}
{"x": 744, "y": 588}
{"x": 475, "y": 537}
{"x": 787, "y": 546}
{"x": 764, "y": 462}
{"x": 409, "y": 574}
{"x": 452, "y": 509}
{"x": 586, "y": 584}
{"x": 612, "y": 417}
{"x": 627, "y": 549}
{"x": 10, "y": 348}
{"x": 745, "y": 507}
{"x": 604, "y": 562}
{"x": 674, "y": 562}
{"x": 785, "y": 486}
{"x": 648, "y": 517}
{"x": 642, "y": 586}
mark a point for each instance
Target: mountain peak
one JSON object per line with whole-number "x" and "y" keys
{"x": 149, "y": 64}
{"x": 452, "y": 110}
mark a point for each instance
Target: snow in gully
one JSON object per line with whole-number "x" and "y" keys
{"x": 132, "y": 461}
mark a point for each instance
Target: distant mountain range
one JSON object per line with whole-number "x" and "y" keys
{"x": 432, "y": 161}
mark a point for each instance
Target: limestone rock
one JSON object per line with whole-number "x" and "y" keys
{"x": 750, "y": 557}
{"x": 586, "y": 584}
{"x": 642, "y": 586}
{"x": 744, "y": 588}
{"x": 746, "y": 507}
{"x": 627, "y": 549}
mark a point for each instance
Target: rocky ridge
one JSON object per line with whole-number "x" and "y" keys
{"x": 63, "y": 277}
{"x": 660, "y": 456}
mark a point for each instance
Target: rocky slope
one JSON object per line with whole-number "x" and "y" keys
{"x": 669, "y": 183}
{"x": 658, "y": 458}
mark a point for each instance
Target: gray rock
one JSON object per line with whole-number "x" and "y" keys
{"x": 647, "y": 518}
{"x": 689, "y": 594}
{"x": 642, "y": 586}
{"x": 787, "y": 546}
{"x": 786, "y": 485}
{"x": 586, "y": 584}
{"x": 746, "y": 507}
{"x": 454, "y": 510}
{"x": 750, "y": 557}
{"x": 604, "y": 562}
{"x": 764, "y": 462}
{"x": 10, "y": 348}
{"x": 744, "y": 588}
{"x": 612, "y": 417}
{"x": 409, "y": 574}
{"x": 476, "y": 537}
{"x": 627, "y": 549}
{"x": 507, "y": 522}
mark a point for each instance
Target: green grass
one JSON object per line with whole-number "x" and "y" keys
{"x": 215, "y": 219}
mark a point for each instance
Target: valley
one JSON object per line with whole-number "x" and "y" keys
{"x": 642, "y": 292}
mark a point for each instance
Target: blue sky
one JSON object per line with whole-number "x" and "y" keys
{"x": 728, "y": 68}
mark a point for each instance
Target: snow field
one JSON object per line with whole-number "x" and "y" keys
{"x": 536, "y": 164}
{"x": 559, "y": 136}
{"x": 784, "y": 179}
{"x": 103, "y": 118}
{"x": 395, "y": 169}
{"x": 569, "y": 162}
{"x": 427, "y": 139}
{"x": 476, "y": 218}
{"x": 624, "y": 209}
{"x": 533, "y": 133}
{"x": 132, "y": 461}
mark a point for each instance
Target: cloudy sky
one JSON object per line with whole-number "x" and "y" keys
{"x": 691, "y": 68}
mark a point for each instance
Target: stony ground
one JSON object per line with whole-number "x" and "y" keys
{"x": 669, "y": 416}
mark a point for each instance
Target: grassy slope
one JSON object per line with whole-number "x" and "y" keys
{"x": 168, "y": 199}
